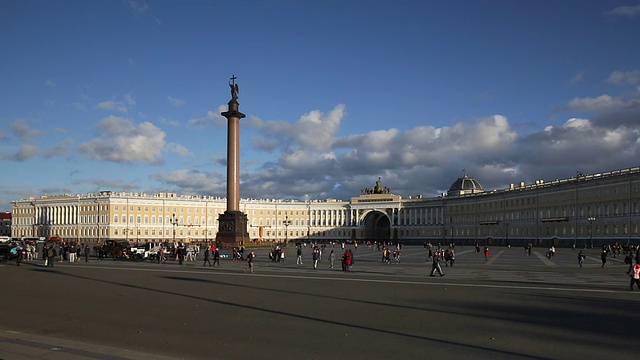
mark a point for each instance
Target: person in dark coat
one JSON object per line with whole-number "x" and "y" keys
{"x": 216, "y": 256}
{"x": 207, "y": 253}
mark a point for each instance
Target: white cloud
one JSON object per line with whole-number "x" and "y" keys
{"x": 112, "y": 105}
{"x": 600, "y": 103}
{"x": 26, "y": 152}
{"x": 625, "y": 11}
{"x": 314, "y": 130}
{"x": 423, "y": 160}
{"x": 129, "y": 100}
{"x": 120, "y": 140}
{"x": 23, "y": 131}
{"x": 212, "y": 119}
{"x": 60, "y": 149}
{"x": 577, "y": 78}
{"x": 191, "y": 181}
{"x": 624, "y": 78}
{"x": 176, "y": 102}
{"x": 138, "y": 6}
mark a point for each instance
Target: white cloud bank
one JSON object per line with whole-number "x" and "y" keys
{"x": 120, "y": 140}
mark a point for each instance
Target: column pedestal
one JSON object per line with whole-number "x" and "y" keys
{"x": 232, "y": 229}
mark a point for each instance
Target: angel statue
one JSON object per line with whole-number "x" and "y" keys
{"x": 234, "y": 88}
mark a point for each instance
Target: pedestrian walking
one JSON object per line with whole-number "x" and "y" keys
{"x": 72, "y": 253}
{"x": 629, "y": 261}
{"x": 347, "y": 260}
{"x": 635, "y": 277}
{"x": 603, "y": 257}
{"x": 216, "y": 256}
{"x": 45, "y": 254}
{"x": 332, "y": 259}
{"x": 207, "y": 253}
{"x": 437, "y": 257}
{"x": 299, "y": 256}
{"x": 316, "y": 258}
{"x": 19, "y": 256}
{"x": 87, "y": 250}
{"x": 51, "y": 255}
{"x": 250, "y": 257}
{"x": 486, "y": 253}
{"x": 581, "y": 257}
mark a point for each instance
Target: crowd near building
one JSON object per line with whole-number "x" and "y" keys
{"x": 585, "y": 210}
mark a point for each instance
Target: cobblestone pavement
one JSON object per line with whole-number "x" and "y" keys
{"x": 508, "y": 306}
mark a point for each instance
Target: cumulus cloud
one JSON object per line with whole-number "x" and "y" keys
{"x": 416, "y": 161}
{"x": 60, "y": 149}
{"x": 138, "y": 6}
{"x": 600, "y": 103}
{"x": 314, "y": 130}
{"x": 191, "y": 181}
{"x": 120, "y": 140}
{"x": 307, "y": 167}
{"x": 624, "y": 77}
{"x": 23, "y": 131}
{"x": 112, "y": 105}
{"x": 625, "y": 11}
{"x": 176, "y": 102}
{"x": 212, "y": 119}
{"x": 26, "y": 152}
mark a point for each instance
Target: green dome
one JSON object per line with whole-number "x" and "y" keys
{"x": 465, "y": 185}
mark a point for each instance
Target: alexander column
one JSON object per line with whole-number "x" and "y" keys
{"x": 232, "y": 224}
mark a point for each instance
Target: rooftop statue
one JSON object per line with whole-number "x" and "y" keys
{"x": 378, "y": 189}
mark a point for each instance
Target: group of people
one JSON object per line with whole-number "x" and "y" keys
{"x": 386, "y": 255}
{"x": 52, "y": 252}
{"x": 212, "y": 252}
{"x": 633, "y": 260}
{"x": 316, "y": 257}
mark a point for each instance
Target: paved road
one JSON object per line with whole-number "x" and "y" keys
{"x": 510, "y": 306}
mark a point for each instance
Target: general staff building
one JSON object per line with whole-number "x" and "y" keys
{"x": 585, "y": 210}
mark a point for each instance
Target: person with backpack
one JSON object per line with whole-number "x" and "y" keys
{"x": 51, "y": 255}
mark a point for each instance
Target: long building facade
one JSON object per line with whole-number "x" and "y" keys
{"x": 585, "y": 210}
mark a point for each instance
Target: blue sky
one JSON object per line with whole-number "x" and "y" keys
{"x": 126, "y": 95}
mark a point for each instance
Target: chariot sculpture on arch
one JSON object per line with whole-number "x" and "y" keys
{"x": 378, "y": 189}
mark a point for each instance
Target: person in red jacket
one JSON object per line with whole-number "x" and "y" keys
{"x": 346, "y": 260}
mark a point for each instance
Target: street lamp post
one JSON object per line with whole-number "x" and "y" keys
{"x": 506, "y": 232}
{"x": 591, "y": 220}
{"x": 174, "y": 222}
{"x": 286, "y": 222}
{"x": 452, "y": 234}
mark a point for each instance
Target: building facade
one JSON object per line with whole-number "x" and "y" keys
{"x": 580, "y": 211}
